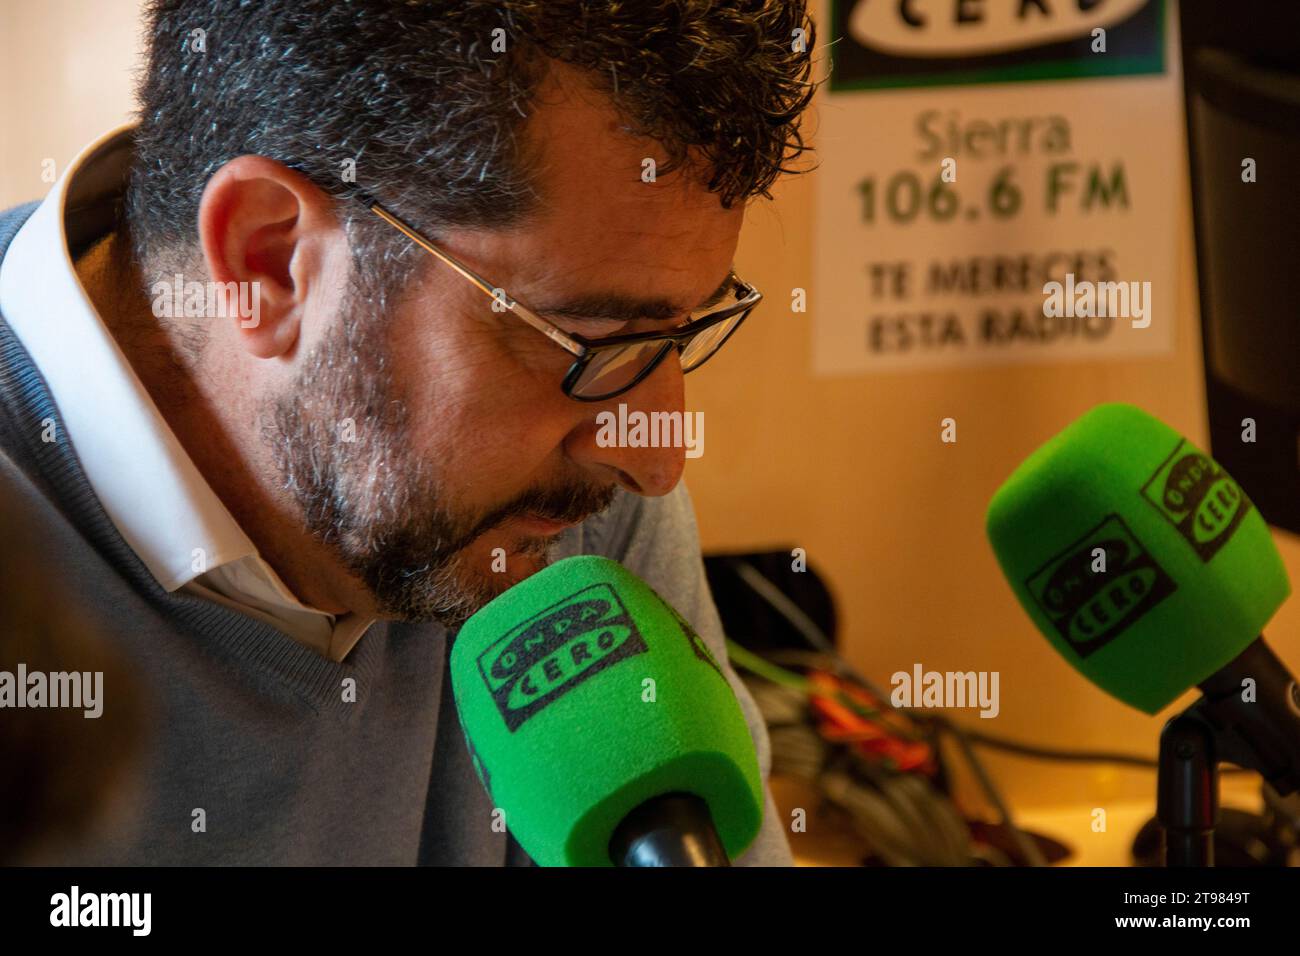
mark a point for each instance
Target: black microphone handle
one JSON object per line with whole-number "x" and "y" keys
{"x": 673, "y": 829}
{"x": 1263, "y": 734}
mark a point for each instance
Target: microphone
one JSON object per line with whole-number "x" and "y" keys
{"x": 1147, "y": 567}
{"x": 602, "y": 726}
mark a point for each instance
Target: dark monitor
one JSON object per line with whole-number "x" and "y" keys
{"x": 1241, "y": 67}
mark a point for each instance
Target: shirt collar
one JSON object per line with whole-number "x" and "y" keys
{"x": 147, "y": 483}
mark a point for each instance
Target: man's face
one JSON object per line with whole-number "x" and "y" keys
{"x": 465, "y": 459}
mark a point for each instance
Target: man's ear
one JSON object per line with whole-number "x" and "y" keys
{"x": 265, "y": 227}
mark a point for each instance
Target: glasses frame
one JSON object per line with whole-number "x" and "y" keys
{"x": 584, "y": 349}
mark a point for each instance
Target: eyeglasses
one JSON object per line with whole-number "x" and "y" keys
{"x": 610, "y": 366}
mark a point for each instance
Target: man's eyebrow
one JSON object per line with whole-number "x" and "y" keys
{"x": 625, "y": 308}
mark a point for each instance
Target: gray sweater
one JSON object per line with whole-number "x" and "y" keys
{"x": 252, "y": 727}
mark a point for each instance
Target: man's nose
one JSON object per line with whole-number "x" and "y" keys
{"x": 600, "y": 444}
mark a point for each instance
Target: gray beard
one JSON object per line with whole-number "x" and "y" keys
{"x": 339, "y": 439}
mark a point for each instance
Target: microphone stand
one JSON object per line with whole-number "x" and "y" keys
{"x": 1187, "y": 790}
{"x": 1261, "y": 734}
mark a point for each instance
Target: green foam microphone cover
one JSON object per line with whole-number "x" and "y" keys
{"x": 582, "y": 694}
{"x": 1136, "y": 555}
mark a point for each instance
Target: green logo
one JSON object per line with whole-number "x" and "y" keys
{"x": 539, "y": 661}
{"x": 1198, "y": 498}
{"x": 881, "y": 44}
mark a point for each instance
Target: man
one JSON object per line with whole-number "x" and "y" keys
{"x": 289, "y": 376}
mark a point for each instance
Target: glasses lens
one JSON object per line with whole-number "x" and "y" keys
{"x": 696, "y": 351}
{"x": 612, "y": 370}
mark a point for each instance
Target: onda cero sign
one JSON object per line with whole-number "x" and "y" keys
{"x": 893, "y": 43}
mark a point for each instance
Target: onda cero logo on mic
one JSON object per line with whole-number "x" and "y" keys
{"x": 537, "y": 662}
{"x": 1198, "y": 498}
{"x": 1089, "y": 610}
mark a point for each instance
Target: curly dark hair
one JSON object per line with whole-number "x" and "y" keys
{"x": 421, "y": 97}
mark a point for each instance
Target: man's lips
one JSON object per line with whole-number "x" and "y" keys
{"x": 543, "y": 527}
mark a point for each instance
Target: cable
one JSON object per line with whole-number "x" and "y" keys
{"x": 1027, "y": 846}
{"x": 763, "y": 667}
{"x": 787, "y": 608}
{"x": 904, "y": 820}
{"x": 1051, "y": 753}
{"x": 872, "y": 818}
{"x": 998, "y": 742}
{"x": 950, "y": 829}
{"x": 738, "y": 654}
{"x": 795, "y": 615}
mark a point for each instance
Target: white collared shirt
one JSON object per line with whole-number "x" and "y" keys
{"x": 147, "y": 483}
